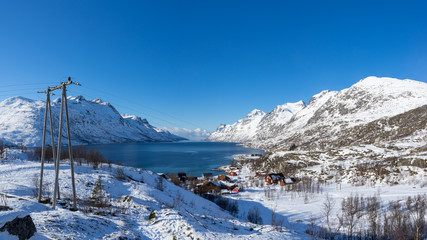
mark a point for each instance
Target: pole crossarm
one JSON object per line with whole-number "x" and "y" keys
{"x": 64, "y": 84}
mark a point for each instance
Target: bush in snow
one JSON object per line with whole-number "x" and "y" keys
{"x": 98, "y": 198}
{"x": 159, "y": 183}
{"x": 254, "y": 215}
{"x": 152, "y": 215}
{"x": 120, "y": 174}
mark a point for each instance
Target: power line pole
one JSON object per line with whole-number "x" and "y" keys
{"x": 63, "y": 87}
{"x": 47, "y": 110}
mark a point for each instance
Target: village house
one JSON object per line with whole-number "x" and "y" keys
{"x": 285, "y": 181}
{"x": 234, "y": 174}
{"x": 208, "y": 187}
{"x": 207, "y": 176}
{"x": 182, "y": 176}
{"x": 274, "y": 178}
{"x": 223, "y": 177}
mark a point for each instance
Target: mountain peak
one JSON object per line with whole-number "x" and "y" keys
{"x": 255, "y": 112}
{"x": 290, "y": 107}
{"x": 17, "y": 99}
{"x": 381, "y": 81}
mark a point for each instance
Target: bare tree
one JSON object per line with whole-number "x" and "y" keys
{"x": 417, "y": 210}
{"x": 372, "y": 208}
{"x": 350, "y": 207}
{"x": 328, "y": 208}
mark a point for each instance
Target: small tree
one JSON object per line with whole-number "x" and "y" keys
{"x": 98, "y": 195}
{"x": 293, "y": 147}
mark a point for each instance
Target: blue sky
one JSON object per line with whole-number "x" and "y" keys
{"x": 200, "y": 63}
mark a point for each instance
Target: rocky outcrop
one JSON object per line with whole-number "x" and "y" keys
{"x": 24, "y": 227}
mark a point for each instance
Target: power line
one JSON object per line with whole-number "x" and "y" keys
{"x": 26, "y": 84}
{"x": 144, "y": 106}
{"x": 139, "y": 112}
{"x": 14, "y": 90}
{"x": 32, "y": 92}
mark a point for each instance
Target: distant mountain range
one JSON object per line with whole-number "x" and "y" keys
{"x": 92, "y": 122}
{"x": 374, "y": 110}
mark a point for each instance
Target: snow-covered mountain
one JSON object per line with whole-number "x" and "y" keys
{"x": 329, "y": 114}
{"x": 255, "y": 123}
{"x": 92, "y": 121}
{"x": 241, "y": 131}
{"x": 191, "y": 134}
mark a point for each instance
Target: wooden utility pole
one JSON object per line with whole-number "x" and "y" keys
{"x": 57, "y": 156}
{"x": 48, "y": 109}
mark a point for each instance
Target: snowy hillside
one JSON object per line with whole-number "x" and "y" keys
{"x": 92, "y": 121}
{"x": 241, "y": 131}
{"x": 347, "y": 177}
{"x": 331, "y": 113}
{"x": 175, "y": 212}
{"x": 256, "y": 123}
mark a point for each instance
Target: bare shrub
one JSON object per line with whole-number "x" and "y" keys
{"x": 1, "y": 148}
{"x": 177, "y": 200}
{"x": 277, "y": 221}
{"x": 95, "y": 158}
{"x": 46, "y": 189}
{"x": 120, "y": 174}
{"x": 175, "y": 179}
{"x": 159, "y": 183}
{"x": 254, "y": 215}
{"x": 227, "y": 204}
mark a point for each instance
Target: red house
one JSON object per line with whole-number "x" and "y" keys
{"x": 223, "y": 178}
{"x": 274, "y": 178}
{"x": 233, "y": 174}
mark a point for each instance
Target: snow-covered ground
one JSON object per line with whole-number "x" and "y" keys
{"x": 179, "y": 213}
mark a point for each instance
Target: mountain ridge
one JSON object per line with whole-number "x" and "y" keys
{"x": 330, "y": 112}
{"x": 92, "y": 122}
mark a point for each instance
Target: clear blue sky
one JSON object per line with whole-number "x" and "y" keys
{"x": 201, "y": 63}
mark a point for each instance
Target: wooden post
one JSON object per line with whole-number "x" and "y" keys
{"x": 58, "y": 155}
{"x": 53, "y": 141}
{"x": 70, "y": 150}
{"x": 43, "y": 146}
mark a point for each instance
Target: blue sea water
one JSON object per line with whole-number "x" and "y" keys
{"x": 171, "y": 157}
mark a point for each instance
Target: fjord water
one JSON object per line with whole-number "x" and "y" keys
{"x": 171, "y": 157}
